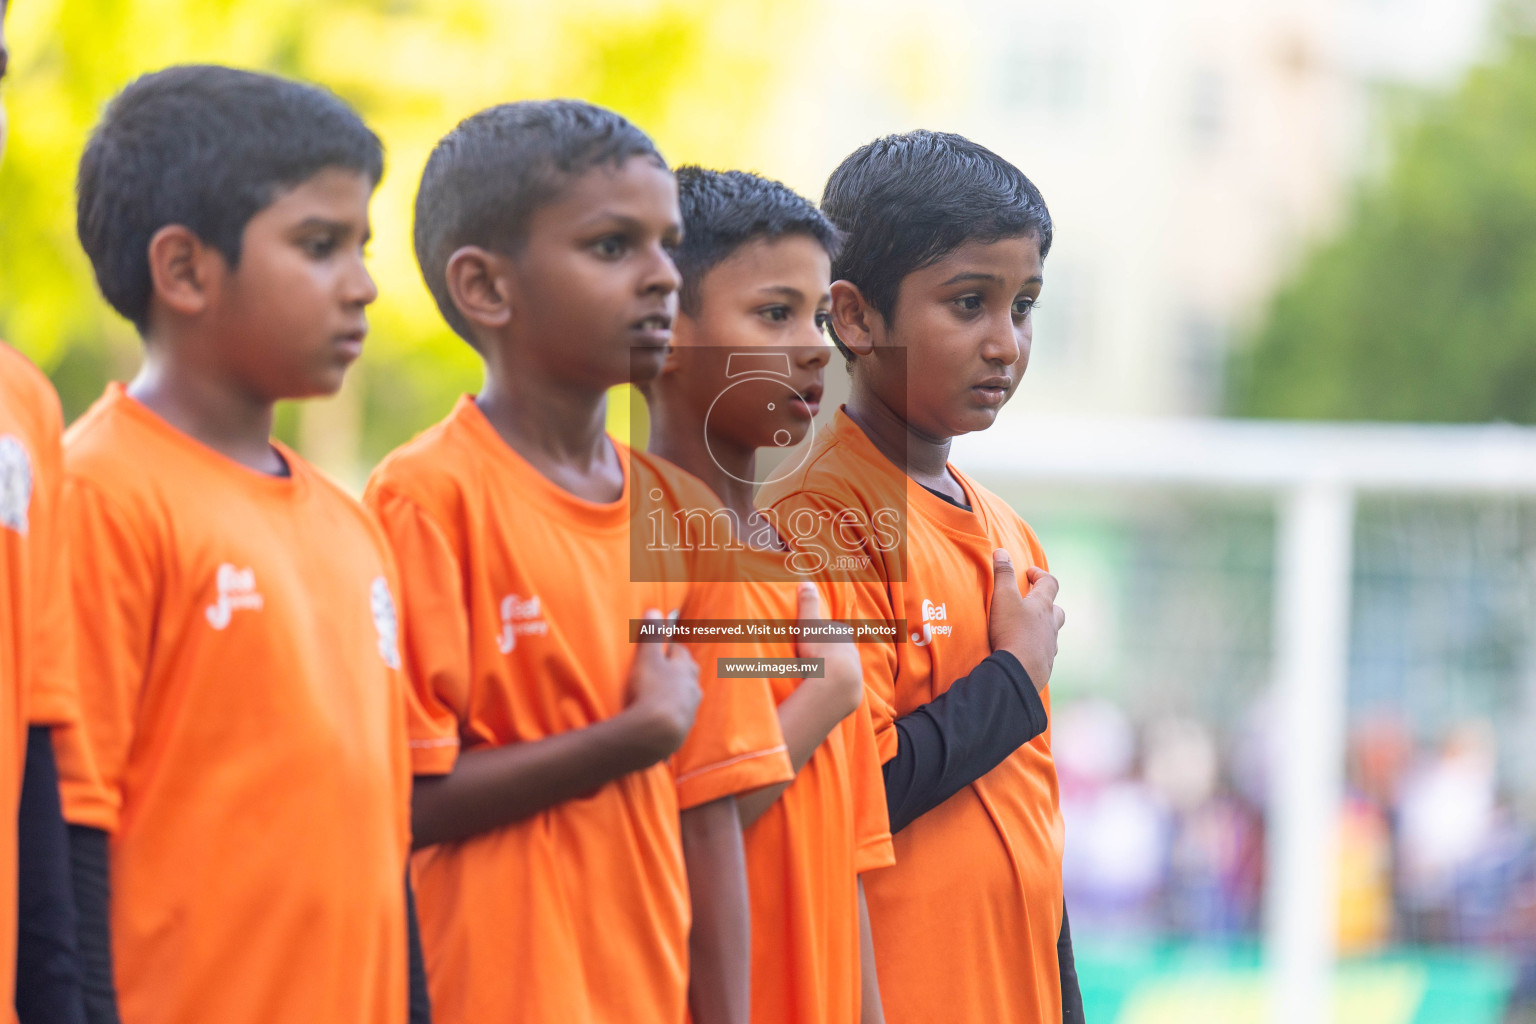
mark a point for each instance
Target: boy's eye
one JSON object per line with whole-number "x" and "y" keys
{"x": 1023, "y": 306}
{"x": 775, "y": 314}
{"x": 823, "y": 321}
{"x": 319, "y": 248}
{"x": 611, "y": 247}
{"x": 969, "y": 303}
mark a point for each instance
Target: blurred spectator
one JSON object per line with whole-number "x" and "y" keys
{"x": 1365, "y": 877}
{"x": 1380, "y": 751}
{"x": 1165, "y": 834}
{"x": 1117, "y": 832}
{"x": 1445, "y": 818}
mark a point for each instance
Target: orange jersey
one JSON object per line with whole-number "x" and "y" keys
{"x": 805, "y": 853}
{"x": 518, "y": 601}
{"x": 965, "y": 924}
{"x": 36, "y": 675}
{"x": 239, "y": 675}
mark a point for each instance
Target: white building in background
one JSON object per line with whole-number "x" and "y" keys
{"x": 1189, "y": 150}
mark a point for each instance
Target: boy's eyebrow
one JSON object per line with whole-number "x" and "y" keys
{"x": 783, "y": 291}
{"x": 624, "y": 220}
{"x": 973, "y": 275}
{"x": 326, "y": 224}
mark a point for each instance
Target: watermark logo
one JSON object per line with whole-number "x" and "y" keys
{"x": 819, "y": 540}
{"x": 764, "y": 417}
{"x": 762, "y": 381}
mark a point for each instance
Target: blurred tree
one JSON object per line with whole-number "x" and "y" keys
{"x": 701, "y": 77}
{"x": 1423, "y": 307}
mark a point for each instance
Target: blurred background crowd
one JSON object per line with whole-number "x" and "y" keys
{"x": 1289, "y": 209}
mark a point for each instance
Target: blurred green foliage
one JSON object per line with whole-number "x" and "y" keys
{"x": 685, "y": 71}
{"x": 1423, "y": 306}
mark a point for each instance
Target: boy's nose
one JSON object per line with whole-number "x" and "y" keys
{"x": 1002, "y": 343}
{"x": 815, "y": 354}
{"x": 359, "y": 286}
{"x": 661, "y": 274}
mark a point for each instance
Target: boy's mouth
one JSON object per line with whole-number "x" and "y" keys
{"x": 993, "y": 390}
{"x": 653, "y": 330}
{"x": 351, "y": 342}
{"x": 807, "y": 400}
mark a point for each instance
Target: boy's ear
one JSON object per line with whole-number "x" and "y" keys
{"x": 855, "y": 320}
{"x": 478, "y": 287}
{"x": 183, "y": 269}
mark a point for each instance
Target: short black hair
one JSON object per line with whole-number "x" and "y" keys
{"x": 207, "y": 147}
{"x": 904, "y": 202}
{"x": 487, "y": 177}
{"x": 723, "y": 210}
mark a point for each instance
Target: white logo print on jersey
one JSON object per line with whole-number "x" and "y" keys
{"x": 15, "y": 484}
{"x": 932, "y": 613}
{"x": 237, "y": 592}
{"x": 385, "y": 621}
{"x": 519, "y": 617}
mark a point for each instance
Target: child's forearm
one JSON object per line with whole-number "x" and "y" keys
{"x": 420, "y": 1000}
{"x": 1071, "y": 989}
{"x": 47, "y": 958}
{"x": 90, "y": 872}
{"x": 956, "y": 738}
{"x": 871, "y": 1010}
{"x": 495, "y": 786}
{"x": 807, "y": 717}
{"x": 720, "y": 944}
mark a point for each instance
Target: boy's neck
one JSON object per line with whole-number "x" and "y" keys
{"x": 923, "y": 459}
{"x": 727, "y": 468}
{"x": 561, "y": 432}
{"x": 216, "y": 413}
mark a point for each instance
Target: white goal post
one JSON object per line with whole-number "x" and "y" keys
{"x": 1313, "y": 472}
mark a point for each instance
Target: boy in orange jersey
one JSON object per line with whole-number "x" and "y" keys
{"x": 756, "y": 262}
{"x": 575, "y": 793}
{"x": 238, "y": 657}
{"x": 38, "y": 699}
{"x": 940, "y": 266}
{"x": 37, "y": 927}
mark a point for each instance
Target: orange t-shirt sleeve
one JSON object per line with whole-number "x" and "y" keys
{"x": 1036, "y": 552}
{"x": 735, "y": 745}
{"x": 402, "y": 762}
{"x": 871, "y": 822}
{"x": 856, "y": 594}
{"x": 53, "y": 697}
{"x": 434, "y": 628}
{"x": 862, "y": 600}
{"x": 113, "y": 592}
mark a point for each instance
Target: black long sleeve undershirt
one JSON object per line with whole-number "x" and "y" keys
{"x": 960, "y": 735}
{"x": 1071, "y": 991}
{"x": 47, "y": 961}
{"x": 421, "y": 1002}
{"x": 955, "y": 739}
{"x": 89, "y": 868}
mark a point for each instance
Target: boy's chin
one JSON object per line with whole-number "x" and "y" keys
{"x": 323, "y": 384}
{"x": 645, "y": 365}
{"x": 963, "y": 421}
{"x": 778, "y": 437}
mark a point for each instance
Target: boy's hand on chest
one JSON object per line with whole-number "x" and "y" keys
{"x": 1025, "y": 625}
